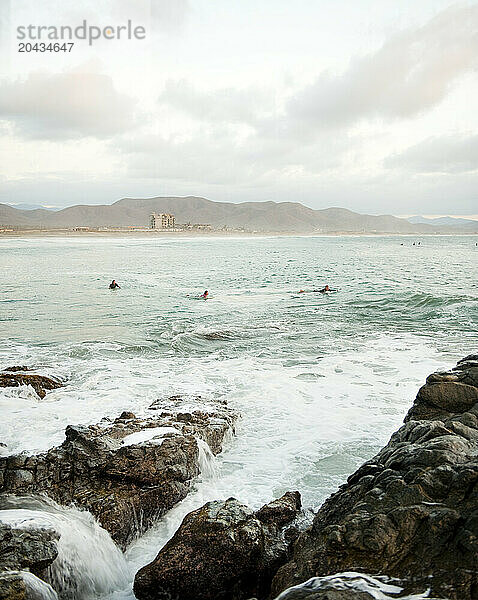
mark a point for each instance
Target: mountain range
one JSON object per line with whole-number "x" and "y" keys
{"x": 455, "y": 222}
{"x": 290, "y": 217}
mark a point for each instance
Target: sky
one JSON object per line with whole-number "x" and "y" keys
{"x": 369, "y": 105}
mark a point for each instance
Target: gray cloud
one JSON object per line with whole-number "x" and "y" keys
{"x": 66, "y": 105}
{"x": 217, "y": 154}
{"x": 446, "y": 154}
{"x": 409, "y": 74}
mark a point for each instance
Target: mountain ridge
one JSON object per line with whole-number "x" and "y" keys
{"x": 266, "y": 216}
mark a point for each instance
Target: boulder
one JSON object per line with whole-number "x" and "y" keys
{"x": 411, "y": 512}
{"x": 25, "y": 556}
{"x": 222, "y": 551}
{"x": 32, "y": 549}
{"x": 17, "y": 376}
{"x": 127, "y": 473}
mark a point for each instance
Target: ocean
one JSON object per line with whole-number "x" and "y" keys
{"x": 320, "y": 380}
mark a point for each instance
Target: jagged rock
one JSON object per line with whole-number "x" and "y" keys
{"x": 411, "y": 512}
{"x": 127, "y": 472}
{"x": 447, "y": 392}
{"x": 32, "y": 549}
{"x": 221, "y": 551}
{"x": 16, "y": 376}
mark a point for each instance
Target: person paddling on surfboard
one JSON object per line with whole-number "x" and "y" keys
{"x": 114, "y": 285}
{"x": 322, "y": 291}
{"x": 205, "y": 295}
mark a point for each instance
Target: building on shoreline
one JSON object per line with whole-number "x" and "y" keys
{"x": 161, "y": 221}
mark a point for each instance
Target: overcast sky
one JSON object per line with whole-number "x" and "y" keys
{"x": 365, "y": 104}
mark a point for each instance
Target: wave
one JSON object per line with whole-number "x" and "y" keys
{"x": 379, "y": 588}
{"x": 88, "y": 563}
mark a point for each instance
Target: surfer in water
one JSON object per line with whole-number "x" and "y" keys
{"x": 205, "y": 295}
{"x": 114, "y": 285}
{"x": 324, "y": 290}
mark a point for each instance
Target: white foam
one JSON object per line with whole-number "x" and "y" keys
{"x": 206, "y": 459}
{"x": 36, "y": 588}
{"x": 152, "y": 434}
{"x": 377, "y": 588}
{"x": 88, "y": 562}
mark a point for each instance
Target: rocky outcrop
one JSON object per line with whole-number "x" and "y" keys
{"x": 17, "y": 376}
{"x": 411, "y": 512}
{"x": 127, "y": 472}
{"x": 222, "y": 551}
{"x": 25, "y": 553}
{"x": 32, "y": 549}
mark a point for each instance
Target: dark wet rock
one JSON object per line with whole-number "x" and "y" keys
{"x": 411, "y": 512}
{"x": 32, "y": 549}
{"x": 126, "y": 482}
{"x": 16, "y": 377}
{"x": 221, "y": 551}
{"x": 12, "y": 586}
{"x": 126, "y": 416}
{"x": 281, "y": 511}
{"x": 16, "y": 368}
{"x": 22, "y": 585}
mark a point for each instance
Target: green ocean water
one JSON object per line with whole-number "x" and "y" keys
{"x": 320, "y": 381}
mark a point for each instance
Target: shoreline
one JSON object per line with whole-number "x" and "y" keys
{"x": 51, "y": 233}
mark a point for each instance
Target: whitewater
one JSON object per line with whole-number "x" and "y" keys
{"x": 320, "y": 381}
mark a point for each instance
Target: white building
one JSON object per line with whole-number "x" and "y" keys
{"x": 161, "y": 221}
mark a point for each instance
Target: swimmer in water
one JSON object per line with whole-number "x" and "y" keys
{"x": 205, "y": 295}
{"x": 113, "y": 285}
{"x": 322, "y": 291}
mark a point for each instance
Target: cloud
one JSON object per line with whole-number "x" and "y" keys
{"x": 410, "y": 73}
{"x": 446, "y": 154}
{"x": 212, "y": 155}
{"x": 224, "y": 105}
{"x": 65, "y": 105}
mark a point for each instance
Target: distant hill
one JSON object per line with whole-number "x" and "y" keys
{"x": 253, "y": 216}
{"x": 30, "y": 206}
{"x": 449, "y": 222}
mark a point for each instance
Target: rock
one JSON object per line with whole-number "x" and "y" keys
{"x": 22, "y": 585}
{"x": 24, "y": 555}
{"x": 447, "y": 392}
{"x": 32, "y": 549}
{"x": 12, "y": 377}
{"x": 127, "y": 473}
{"x": 411, "y": 512}
{"x": 221, "y": 551}
{"x": 281, "y": 511}
{"x": 126, "y": 416}
{"x": 343, "y": 586}
{"x": 12, "y": 586}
